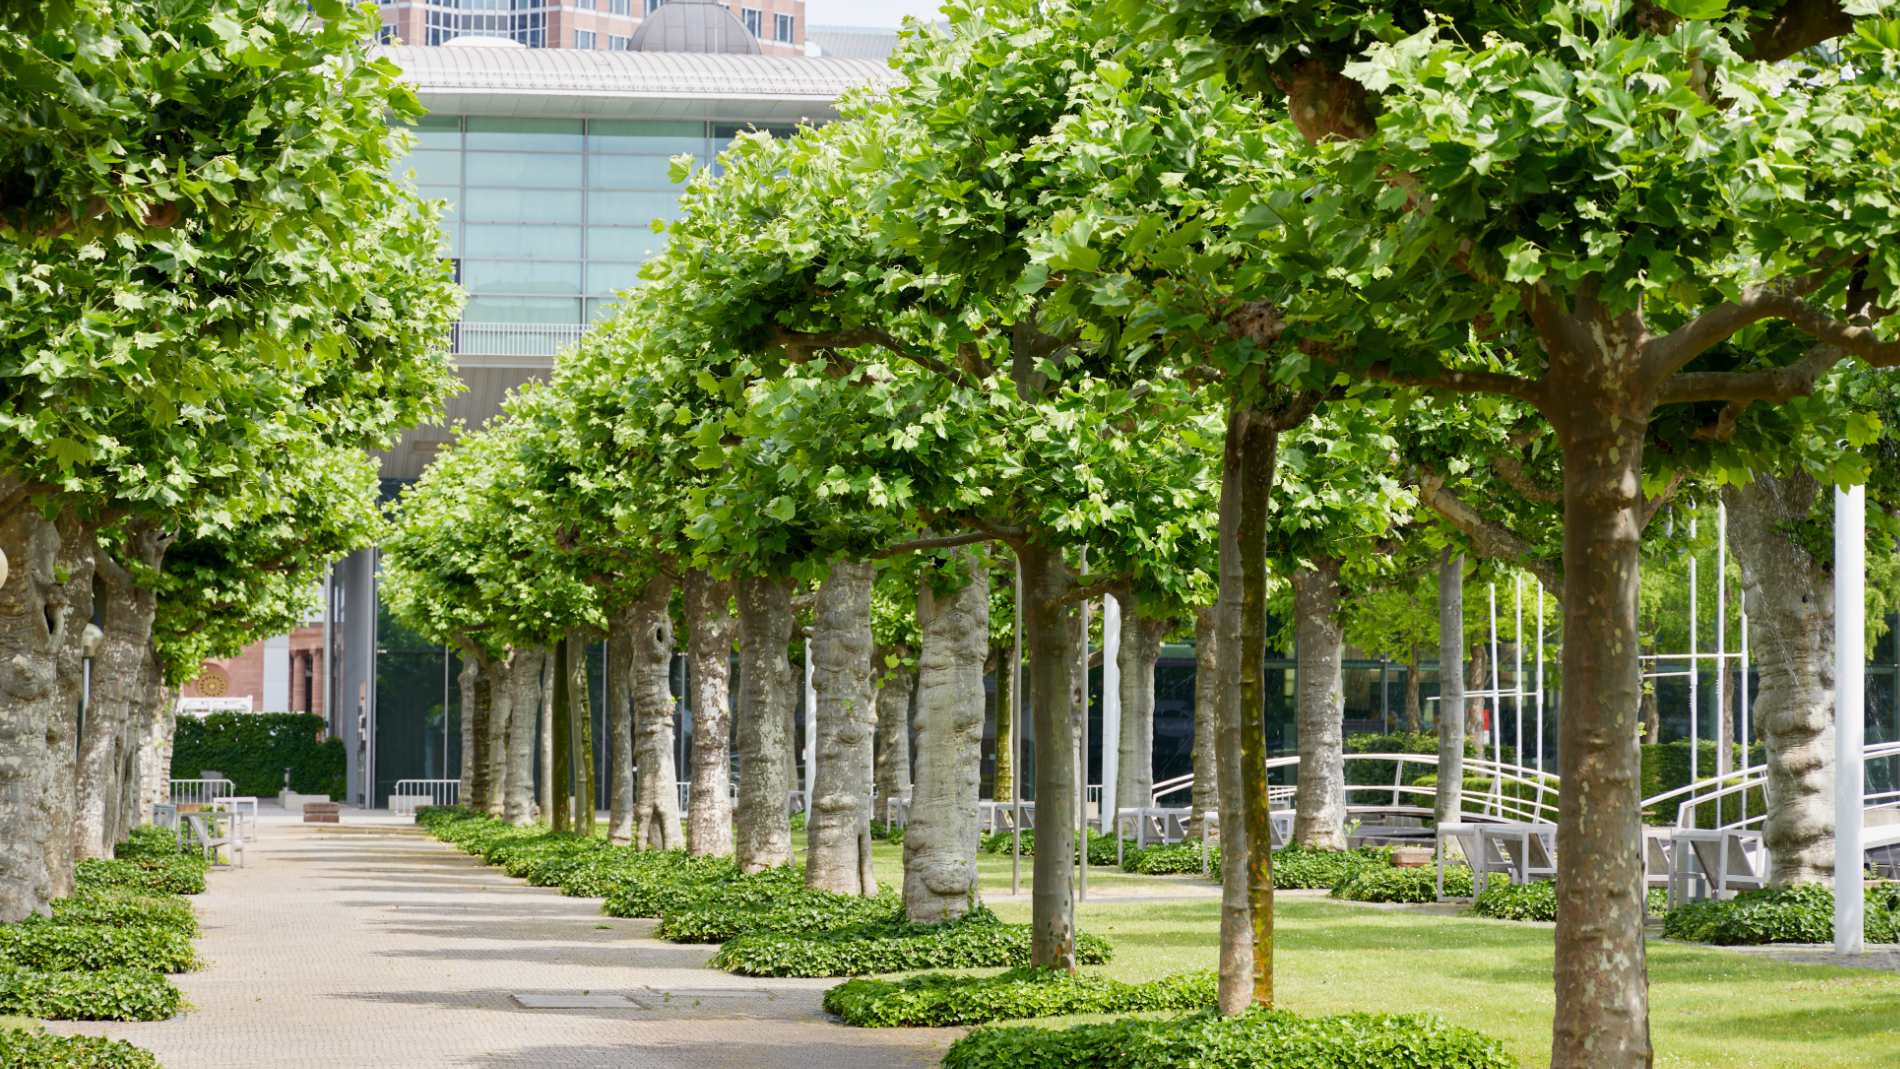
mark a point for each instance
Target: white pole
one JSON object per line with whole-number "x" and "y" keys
{"x": 1695, "y": 734}
{"x": 1724, "y": 752}
{"x": 1741, "y": 697}
{"x": 1497, "y": 735}
{"x": 1540, "y": 676}
{"x": 1111, "y": 710}
{"x": 1517, "y": 663}
{"x": 1082, "y": 754}
{"x": 1850, "y": 668}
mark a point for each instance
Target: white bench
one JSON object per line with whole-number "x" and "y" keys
{"x": 202, "y": 829}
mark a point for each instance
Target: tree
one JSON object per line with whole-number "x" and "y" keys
{"x": 1607, "y": 185}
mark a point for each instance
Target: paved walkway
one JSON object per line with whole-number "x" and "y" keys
{"x": 374, "y": 947}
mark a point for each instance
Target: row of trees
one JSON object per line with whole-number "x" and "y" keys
{"x": 215, "y": 300}
{"x": 1170, "y": 300}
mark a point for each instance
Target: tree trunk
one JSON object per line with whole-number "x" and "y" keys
{"x": 940, "y": 879}
{"x": 117, "y": 688}
{"x": 586, "y": 781}
{"x": 838, "y": 851}
{"x": 35, "y": 625}
{"x": 58, "y": 800}
{"x": 1790, "y": 599}
{"x": 1205, "y": 797}
{"x": 495, "y": 748}
{"x": 563, "y": 719}
{"x": 474, "y": 778}
{"x": 1414, "y": 709}
{"x": 140, "y": 741}
{"x": 522, "y": 679}
{"x": 544, "y": 712}
{"x": 1261, "y": 451}
{"x": 1599, "y": 409}
{"x": 766, "y": 699}
{"x": 656, "y": 808}
{"x": 712, "y": 630}
{"x": 1003, "y": 769}
{"x": 1135, "y": 746}
{"x": 1320, "y": 798}
{"x": 1237, "y": 555}
{"x": 895, "y": 689}
{"x": 1477, "y": 725}
{"x": 1048, "y": 636}
{"x": 1447, "y": 801}
{"x": 620, "y": 717}
{"x": 155, "y": 760}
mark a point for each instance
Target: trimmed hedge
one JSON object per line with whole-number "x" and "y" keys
{"x": 107, "y": 995}
{"x": 183, "y": 875}
{"x": 21, "y": 1049}
{"x": 976, "y": 940}
{"x": 935, "y": 1000}
{"x": 1537, "y": 901}
{"x": 253, "y": 749}
{"x": 51, "y": 946}
{"x": 1257, "y": 1039}
{"x": 1801, "y": 914}
{"x": 1390, "y": 884}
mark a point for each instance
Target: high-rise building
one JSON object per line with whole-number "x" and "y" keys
{"x": 769, "y": 27}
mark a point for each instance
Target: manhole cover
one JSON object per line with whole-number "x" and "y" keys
{"x": 578, "y": 1002}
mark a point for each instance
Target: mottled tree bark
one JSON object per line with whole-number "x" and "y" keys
{"x": 620, "y": 715}
{"x": 1261, "y": 452}
{"x": 1319, "y": 799}
{"x": 1790, "y": 599}
{"x": 656, "y": 810}
{"x": 59, "y": 799}
{"x": 893, "y": 727}
{"x": 1049, "y": 638}
{"x": 155, "y": 756}
{"x": 522, "y": 678}
{"x": 1414, "y": 708}
{"x": 1237, "y": 555}
{"x": 1135, "y": 745}
{"x": 1003, "y": 771}
{"x": 140, "y": 738}
{"x": 473, "y": 779}
{"x": 766, "y": 699}
{"x": 1205, "y": 798}
{"x": 495, "y": 748}
{"x": 586, "y": 775}
{"x": 838, "y": 852}
{"x": 712, "y": 631}
{"x": 544, "y": 712}
{"x": 562, "y": 715}
{"x": 34, "y": 627}
{"x": 940, "y": 881}
{"x": 118, "y": 683}
{"x": 1447, "y": 801}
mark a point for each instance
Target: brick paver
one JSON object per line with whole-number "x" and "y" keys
{"x": 374, "y": 946}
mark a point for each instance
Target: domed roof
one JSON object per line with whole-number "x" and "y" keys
{"x": 693, "y": 26}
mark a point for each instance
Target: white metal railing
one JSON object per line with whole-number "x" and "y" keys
{"x": 437, "y": 791}
{"x": 1166, "y": 787}
{"x": 1689, "y": 799}
{"x": 200, "y": 791}
{"x": 515, "y": 339}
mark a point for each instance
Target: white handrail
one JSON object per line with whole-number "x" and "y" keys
{"x": 438, "y": 791}
{"x": 200, "y": 791}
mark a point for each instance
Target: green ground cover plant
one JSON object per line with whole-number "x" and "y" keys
{"x": 935, "y": 1000}
{"x": 1257, "y": 1039}
{"x": 1102, "y": 848}
{"x": 105, "y": 995}
{"x": 711, "y": 920}
{"x": 1506, "y": 901}
{"x": 1801, "y": 914}
{"x": 50, "y": 946}
{"x": 1390, "y": 884}
{"x": 1294, "y": 868}
{"x": 977, "y": 940}
{"x": 1174, "y": 859}
{"x": 183, "y": 875}
{"x": 26, "y": 1049}
{"x": 126, "y": 907}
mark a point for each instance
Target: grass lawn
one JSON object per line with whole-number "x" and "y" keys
{"x": 1709, "y": 1007}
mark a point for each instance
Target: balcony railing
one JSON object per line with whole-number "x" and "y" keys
{"x": 515, "y": 339}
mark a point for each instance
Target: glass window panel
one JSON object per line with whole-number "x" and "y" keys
{"x": 634, "y": 135}
{"x": 438, "y": 131}
{"x": 521, "y": 276}
{"x": 521, "y": 205}
{"x": 612, "y": 278}
{"x": 523, "y": 310}
{"x": 453, "y": 232}
{"x": 599, "y": 308}
{"x": 432, "y": 168}
{"x": 451, "y": 194}
{"x": 623, "y": 242}
{"x": 632, "y": 208}
{"x": 524, "y": 135}
{"x": 629, "y": 172}
{"x": 523, "y": 169}
{"x": 524, "y": 242}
